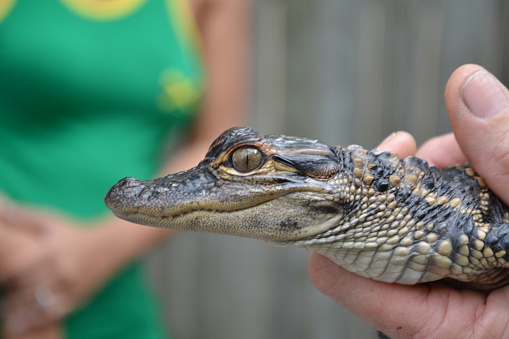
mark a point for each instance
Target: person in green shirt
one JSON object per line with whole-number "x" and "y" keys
{"x": 90, "y": 92}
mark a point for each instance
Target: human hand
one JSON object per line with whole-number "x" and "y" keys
{"x": 478, "y": 109}
{"x": 20, "y": 248}
{"x": 71, "y": 266}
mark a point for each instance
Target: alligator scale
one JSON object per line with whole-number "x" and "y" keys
{"x": 380, "y": 216}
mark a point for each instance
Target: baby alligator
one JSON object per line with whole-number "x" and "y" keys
{"x": 380, "y": 216}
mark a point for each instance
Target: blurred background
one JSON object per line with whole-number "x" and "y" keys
{"x": 345, "y": 72}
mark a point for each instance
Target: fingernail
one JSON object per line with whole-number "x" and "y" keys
{"x": 484, "y": 95}
{"x": 389, "y": 137}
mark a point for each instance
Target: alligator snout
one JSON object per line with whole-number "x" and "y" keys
{"x": 123, "y": 192}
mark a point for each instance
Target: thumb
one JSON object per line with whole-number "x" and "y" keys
{"x": 478, "y": 106}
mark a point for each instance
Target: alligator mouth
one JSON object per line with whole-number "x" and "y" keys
{"x": 143, "y": 213}
{"x": 177, "y": 216}
{"x": 282, "y": 211}
{"x": 132, "y": 196}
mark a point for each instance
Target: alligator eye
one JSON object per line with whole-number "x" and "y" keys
{"x": 246, "y": 159}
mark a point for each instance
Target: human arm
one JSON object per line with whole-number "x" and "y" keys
{"x": 435, "y": 310}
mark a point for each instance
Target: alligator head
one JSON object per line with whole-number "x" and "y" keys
{"x": 274, "y": 188}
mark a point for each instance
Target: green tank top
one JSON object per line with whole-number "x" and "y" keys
{"x": 89, "y": 92}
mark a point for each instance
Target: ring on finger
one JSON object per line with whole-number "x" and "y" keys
{"x": 43, "y": 296}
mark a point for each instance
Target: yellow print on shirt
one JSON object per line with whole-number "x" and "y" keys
{"x": 179, "y": 93}
{"x": 5, "y": 8}
{"x": 103, "y": 10}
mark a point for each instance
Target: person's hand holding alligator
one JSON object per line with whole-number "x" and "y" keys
{"x": 478, "y": 109}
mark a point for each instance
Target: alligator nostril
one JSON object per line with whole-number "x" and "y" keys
{"x": 128, "y": 182}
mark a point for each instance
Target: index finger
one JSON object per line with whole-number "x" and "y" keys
{"x": 442, "y": 151}
{"x": 401, "y": 143}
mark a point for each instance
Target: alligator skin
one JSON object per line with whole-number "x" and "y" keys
{"x": 371, "y": 212}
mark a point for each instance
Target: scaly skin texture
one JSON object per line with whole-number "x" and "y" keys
{"x": 377, "y": 215}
